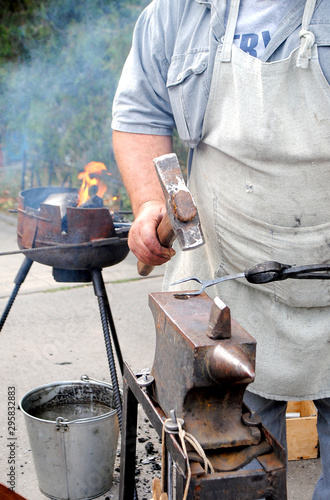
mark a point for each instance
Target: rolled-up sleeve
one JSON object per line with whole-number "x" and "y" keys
{"x": 141, "y": 103}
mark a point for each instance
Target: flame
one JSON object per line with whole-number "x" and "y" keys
{"x": 95, "y": 168}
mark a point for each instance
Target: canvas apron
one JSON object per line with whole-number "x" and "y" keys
{"x": 261, "y": 181}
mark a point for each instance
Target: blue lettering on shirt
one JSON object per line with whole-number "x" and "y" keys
{"x": 266, "y": 37}
{"x": 249, "y": 42}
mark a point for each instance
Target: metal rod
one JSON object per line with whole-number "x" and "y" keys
{"x": 169, "y": 477}
{"x": 111, "y": 361}
{"x": 105, "y": 314}
{"x": 20, "y": 277}
{"x": 99, "y": 286}
{"x": 100, "y": 242}
{"x": 114, "y": 334}
{"x": 127, "y": 489}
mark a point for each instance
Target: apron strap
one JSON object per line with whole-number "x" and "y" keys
{"x": 228, "y": 38}
{"x": 307, "y": 38}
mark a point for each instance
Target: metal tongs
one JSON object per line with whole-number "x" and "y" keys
{"x": 264, "y": 273}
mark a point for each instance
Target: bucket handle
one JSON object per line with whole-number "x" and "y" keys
{"x": 62, "y": 424}
{"x": 87, "y": 378}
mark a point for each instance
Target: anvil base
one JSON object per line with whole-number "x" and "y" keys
{"x": 267, "y": 480}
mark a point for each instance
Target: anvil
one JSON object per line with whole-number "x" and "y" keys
{"x": 203, "y": 363}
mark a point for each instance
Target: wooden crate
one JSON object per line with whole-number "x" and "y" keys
{"x": 301, "y": 431}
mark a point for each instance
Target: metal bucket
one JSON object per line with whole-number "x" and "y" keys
{"x": 73, "y": 432}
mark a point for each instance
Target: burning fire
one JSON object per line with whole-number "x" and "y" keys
{"x": 95, "y": 169}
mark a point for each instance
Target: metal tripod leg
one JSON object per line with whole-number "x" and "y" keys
{"x": 100, "y": 292}
{"x": 107, "y": 320}
{"x": 20, "y": 277}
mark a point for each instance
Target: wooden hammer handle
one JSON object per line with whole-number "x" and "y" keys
{"x": 166, "y": 237}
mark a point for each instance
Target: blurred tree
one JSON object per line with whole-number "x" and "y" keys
{"x": 25, "y": 24}
{"x": 20, "y": 23}
{"x": 60, "y": 61}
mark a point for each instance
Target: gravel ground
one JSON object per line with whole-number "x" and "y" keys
{"x": 148, "y": 462}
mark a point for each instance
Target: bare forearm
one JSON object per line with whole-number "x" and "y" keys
{"x": 134, "y": 154}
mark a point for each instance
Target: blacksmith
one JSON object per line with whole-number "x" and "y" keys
{"x": 246, "y": 84}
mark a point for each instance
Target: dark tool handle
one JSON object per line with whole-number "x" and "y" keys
{"x": 265, "y": 272}
{"x": 275, "y": 271}
{"x": 166, "y": 237}
{"x": 308, "y": 272}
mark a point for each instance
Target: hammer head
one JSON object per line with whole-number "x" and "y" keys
{"x": 181, "y": 208}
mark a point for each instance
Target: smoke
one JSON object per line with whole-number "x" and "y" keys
{"x": 57, "y": 104}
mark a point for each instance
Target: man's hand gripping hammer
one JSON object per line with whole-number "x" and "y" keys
{"x": 181, "y": 220}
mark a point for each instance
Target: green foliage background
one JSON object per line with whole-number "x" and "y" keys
{"x": 60, "y": 64}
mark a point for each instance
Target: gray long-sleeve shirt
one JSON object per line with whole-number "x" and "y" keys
{"x": 166, "y": 79}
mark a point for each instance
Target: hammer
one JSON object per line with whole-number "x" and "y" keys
{"x": 181, "y": 219}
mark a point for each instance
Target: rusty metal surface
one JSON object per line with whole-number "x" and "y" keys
{"x": 239, "y": 485}
{"x": 202, "y": 379}
{"x": 235, "y": 459}
{"x": 183, "y": 205}
{"x": 275, "y": 460}
{"x": 266, "y": 480}
{"x": 181, "y": 219}
{"x": 40, "y": 225}
{"x": 181, "y": 208}
{"x": 219, "y": 321}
